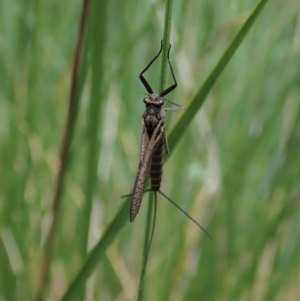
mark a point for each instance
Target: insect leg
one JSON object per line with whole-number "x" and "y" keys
{"x": 142, "y": 78}
{"x": 185, "y": 213}
{"x": 168, "y": 90}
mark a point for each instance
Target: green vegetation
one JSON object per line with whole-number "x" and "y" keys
{"x": 235, "y": 167}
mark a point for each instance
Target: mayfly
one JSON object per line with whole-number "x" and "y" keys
{"x": 154, "y": 139}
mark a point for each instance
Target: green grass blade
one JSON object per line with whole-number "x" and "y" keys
{"x": 98, "y": 252}
{"x": 97, "y": 46}
{"x": 197, "y": 102}
{"x": 163, "y": 75}
{"x": 64, "y": 154}
{"x": 146, "y": 247}
{"x": 166, "y": 39}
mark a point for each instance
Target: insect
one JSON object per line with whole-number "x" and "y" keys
{"x": 154, "y": 140}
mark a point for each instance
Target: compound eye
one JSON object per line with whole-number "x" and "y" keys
{"x": 145, "y": 100}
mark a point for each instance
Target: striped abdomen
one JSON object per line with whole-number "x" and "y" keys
{"x": 157, "y": 164}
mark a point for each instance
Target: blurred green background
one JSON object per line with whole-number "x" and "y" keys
{"x": 236, "y": 169}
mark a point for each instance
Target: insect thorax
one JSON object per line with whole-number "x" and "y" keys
{"x": 154, "y": 112}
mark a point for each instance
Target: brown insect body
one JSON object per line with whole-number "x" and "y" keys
{"x": 157, "y": 165}
{"x": 151, "y": 159}
{"x": 153, "y": 115}
{"x": 154, "y": 140}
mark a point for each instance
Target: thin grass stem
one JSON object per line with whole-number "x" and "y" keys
{"x": 64, "y": 154}
{"x": 163, "y": 75}
{"x": 146, "y": 247}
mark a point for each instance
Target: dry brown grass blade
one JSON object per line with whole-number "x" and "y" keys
{"x": 64, "y": 154}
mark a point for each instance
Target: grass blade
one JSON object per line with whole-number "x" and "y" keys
{"x": 64, "y": 155}
{"x": 163, "y": 75}
{"x": 98, "y": 252}
{"x": 197, "y": 102}
{"x": 166, "y": 39}
{"x": 146, "y": 247}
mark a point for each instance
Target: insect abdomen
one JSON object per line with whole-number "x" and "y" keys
{"x": 156, "y": 165}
